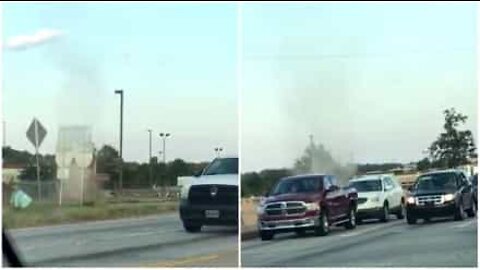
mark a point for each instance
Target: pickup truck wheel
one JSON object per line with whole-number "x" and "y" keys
{"x": 323, "y": 227}
{"x": 411, "y": 219}
{"x": 459, "y": 213}
{"x": 473, "y": 210}
{"x": 266, "y": 235}
{"x": 352, "y": 221}
{"x": 401, "y": 212}
{"x": 192, "y": 228}
{"x": 385, "y": 213}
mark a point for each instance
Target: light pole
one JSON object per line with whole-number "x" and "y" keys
{"x": 150, "y": 155}
{"x": 164, "y": 138}
{"x": 218, "y": 150}
{"x": 120, "y": 92}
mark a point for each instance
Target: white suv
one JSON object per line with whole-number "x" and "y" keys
{"x": 379, "y": 196}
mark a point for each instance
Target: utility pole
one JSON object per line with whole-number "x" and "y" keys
{"x": 150, "y": 155}
{"x": 120, "y": 92}
{"x": 217, "y": 151}
{"x": 164, "y": 138}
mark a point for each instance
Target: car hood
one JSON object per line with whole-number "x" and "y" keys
{"x": 432, "y": 192}
{"x": 217, "y": 179}
{"x": 369, "y": 194}
{"x": 305, "y": 197}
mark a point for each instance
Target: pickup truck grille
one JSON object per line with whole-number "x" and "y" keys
{"x": 362, "y": 200}
{"x": 285, "y": 208}
{"x": 205, "y": 195}
{"x": 434, "y": 199}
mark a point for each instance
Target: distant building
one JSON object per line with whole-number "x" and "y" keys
{"x": 11, "y": 172}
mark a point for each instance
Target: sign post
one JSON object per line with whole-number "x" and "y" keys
{"x": 35, "y": 134}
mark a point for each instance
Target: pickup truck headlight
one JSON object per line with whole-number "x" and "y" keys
{"x": 448, "y": 197}
{"x": 260, "y": 209}
{"x": 411, "y": 200}
{"x": 312, "y": 206}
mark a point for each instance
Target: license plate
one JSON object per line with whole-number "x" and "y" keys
{"x": 212, "y": 213}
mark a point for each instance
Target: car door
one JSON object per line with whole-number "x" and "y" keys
{"x": 333, "y": 198}
{"x": 466, "y": 190}
{"x": 394, "y": 192}
{"x": 388, "y": 191}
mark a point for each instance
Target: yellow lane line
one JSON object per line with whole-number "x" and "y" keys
{"x": 187, "y": 260}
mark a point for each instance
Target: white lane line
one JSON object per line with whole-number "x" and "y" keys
{"x": 359, "y": 232}
{"x": 465, "y": 224}
{"x": 86, "y": 241}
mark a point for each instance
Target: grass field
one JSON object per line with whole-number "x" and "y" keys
{"x": 40, "y": 214}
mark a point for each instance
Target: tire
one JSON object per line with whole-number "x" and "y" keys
{"x": 323, "y": 226}
{"x": 266, "y": 235}
{"x": 459, "y": 213}
{"x": 401, "y": 213}
{"x": 411, "y": 219}
{"x": 192, "y": 228}
{"x": 385, "y": 213}
{"x": 352, "y": 220}
{"x": 473, "y": 210}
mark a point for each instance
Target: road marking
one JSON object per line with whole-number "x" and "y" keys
{"x": 465, "y": 224}
{"x": 185, "y": 261}
{"x": 359, "y": 232}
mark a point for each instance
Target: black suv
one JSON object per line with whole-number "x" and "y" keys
{"x": 440, "y": 194}
{"x": 474, "y": 186}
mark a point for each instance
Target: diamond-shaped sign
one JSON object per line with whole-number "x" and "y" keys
{"x": 36, "y": 133}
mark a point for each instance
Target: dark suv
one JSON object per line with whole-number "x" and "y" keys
{"x": 474, "y": 186}
{"x": 440, "y": 194}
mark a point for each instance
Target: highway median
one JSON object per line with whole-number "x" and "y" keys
{"x": 41, "y": 214}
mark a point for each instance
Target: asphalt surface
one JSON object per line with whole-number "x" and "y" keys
{"x": 156, "y": 241}
{"x": 438, "y": 243}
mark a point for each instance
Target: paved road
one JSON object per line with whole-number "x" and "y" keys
{"x": 150, "y": 241}
{"x": 435, "y": 244}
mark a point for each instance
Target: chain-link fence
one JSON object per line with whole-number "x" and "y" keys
{"x": 48, "y": 190}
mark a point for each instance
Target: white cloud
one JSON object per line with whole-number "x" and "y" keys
{"x": 26, "y": 41}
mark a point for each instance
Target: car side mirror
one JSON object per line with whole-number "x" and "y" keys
{"x": 332, "y": 188}
{"x": 197, "y": 174}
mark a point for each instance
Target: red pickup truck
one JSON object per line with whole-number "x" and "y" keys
{"x": 306, "y": 202}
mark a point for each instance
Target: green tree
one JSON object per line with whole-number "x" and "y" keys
{"x": 424, "y": 164}
{"x": 108, "y": 161}
{"x": 452, "y": 147}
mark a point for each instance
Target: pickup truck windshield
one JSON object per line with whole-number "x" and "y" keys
{"x": 297, "y": 185}
{"x": 443, "y": 181}
{"x": 222, "y": 166}
{"x": 367, "y": 185}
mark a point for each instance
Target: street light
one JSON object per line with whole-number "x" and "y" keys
{"x": 150, "y": 154}
{"x": 164, "y": 138}
{"x": 218, "y": 150}
{"x": 120, "y": 92}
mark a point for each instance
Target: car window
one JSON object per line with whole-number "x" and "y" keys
{"x": 327, "y": 182}
{"x": 367, "y": 185}
{"x": 437, "y": 181}
{"x": 297, "y": 185}
{"x": 222, "y": 166}
{"x": 333, "y": 181}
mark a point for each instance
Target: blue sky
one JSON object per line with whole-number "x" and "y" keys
{"x": 176, "y": 63}
{"x": 369, "y": 81}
